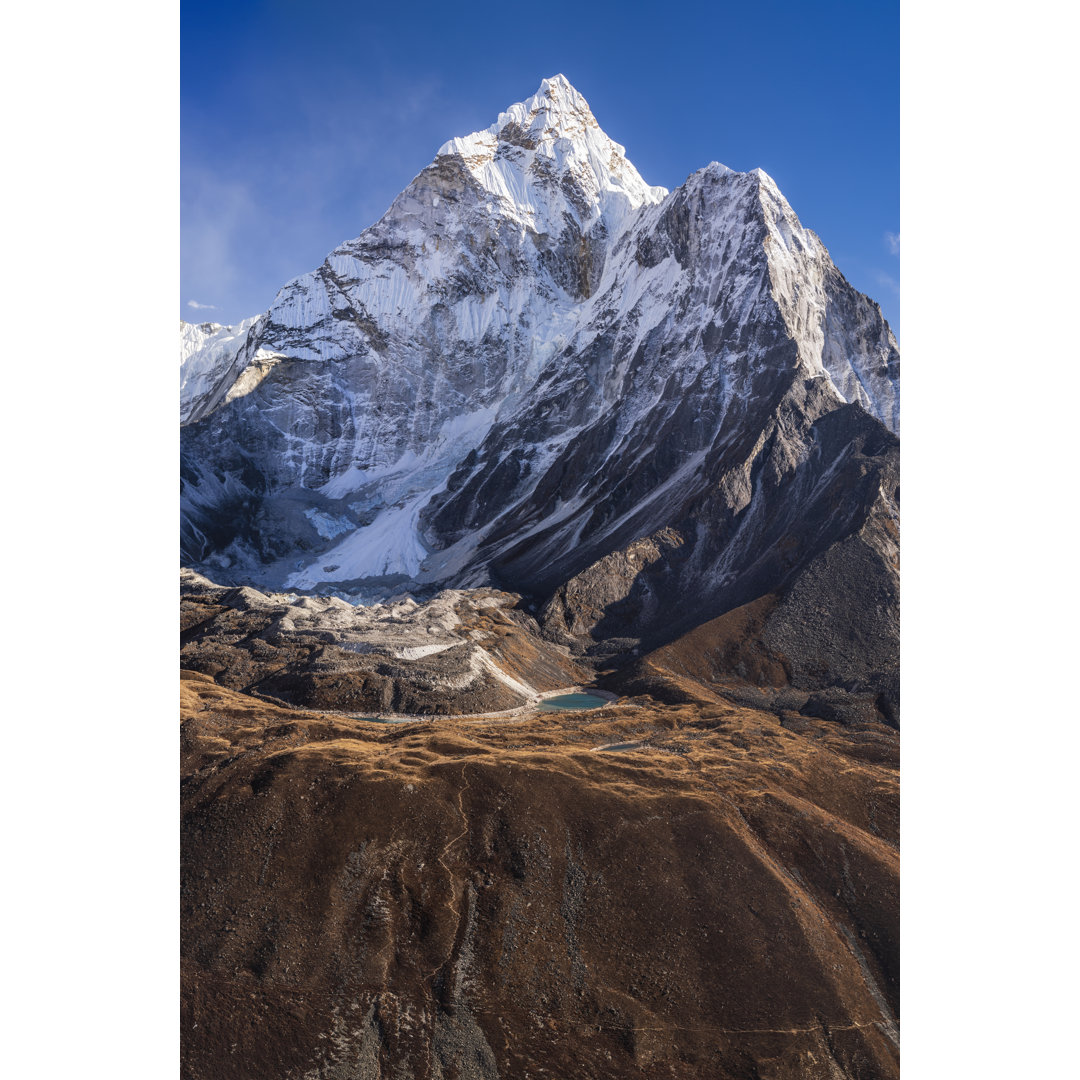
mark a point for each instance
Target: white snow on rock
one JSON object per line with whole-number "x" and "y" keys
{"x": 207, "y": 351}
{"x": 557, "y": 126}
{"x": 459, "y": 321}
{"x": 389, "y": 545}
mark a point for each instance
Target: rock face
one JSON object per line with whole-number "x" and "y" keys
{"x": 646, "y": 890}
{"x": 822, "y": 535}
{"x": 535, "y": 361}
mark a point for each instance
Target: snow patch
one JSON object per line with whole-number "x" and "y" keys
{"x": 391, "y": 544}
{"x": 327, "y": 526}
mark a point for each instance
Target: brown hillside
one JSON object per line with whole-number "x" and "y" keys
{"x": 714, "y": 895}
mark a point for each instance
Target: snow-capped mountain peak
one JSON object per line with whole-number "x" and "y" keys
{"x": 531, "y": 359}
{"x": 547, "y": 157}
{"x": 556, "y": 111}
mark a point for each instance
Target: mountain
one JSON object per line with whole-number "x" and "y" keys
{"x": 534, "y": 366}
{"x": 544, "y": 427}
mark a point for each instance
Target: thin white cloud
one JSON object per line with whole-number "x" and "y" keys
{"x": 327, "y": 188}
{"x": 206, "y": 307}
{"x": 887, "y": 281}
{"x": 893, "y": 241}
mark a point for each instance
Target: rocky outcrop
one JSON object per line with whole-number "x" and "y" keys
{"x": 825, "y": 646}
{"x": 615, "y": 589}
{"x": 475, "y": 652}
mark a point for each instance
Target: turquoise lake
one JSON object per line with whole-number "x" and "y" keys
{"x": 569, "y": 702}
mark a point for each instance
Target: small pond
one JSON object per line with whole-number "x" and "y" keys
{"x": 568, "y": 702}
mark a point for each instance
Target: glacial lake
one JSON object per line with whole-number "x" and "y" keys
{"x": 568, "y": 702}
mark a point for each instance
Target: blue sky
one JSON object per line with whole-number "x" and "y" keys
{"x": 300, "y": 121}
